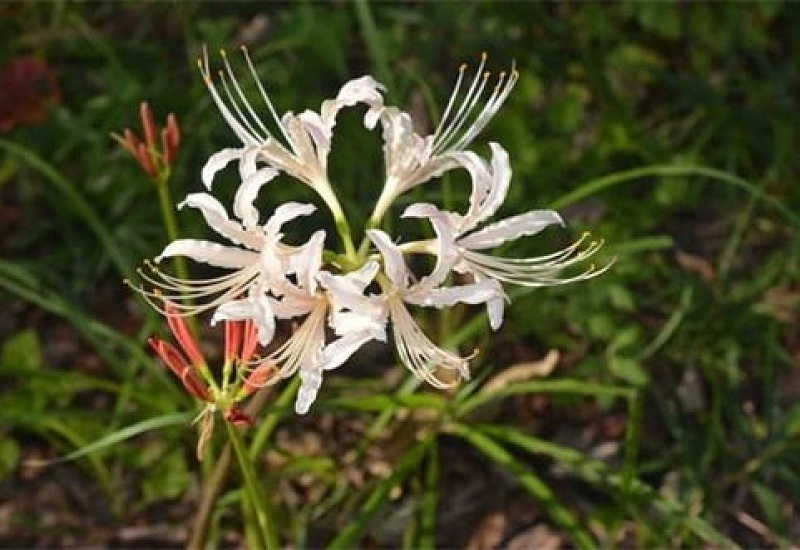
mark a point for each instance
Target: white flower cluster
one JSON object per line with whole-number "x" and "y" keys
{"x": 340, "y": 301}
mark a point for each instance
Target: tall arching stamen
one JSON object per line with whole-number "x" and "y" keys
{"x": 536, "y": 272}
{"x": 241, "y": 118}
{"x": 307, "y": 340}
{"x": 468, "y": 102}
{"x": 421, "y": 356}
{"x": 192, "y": 297}
{"x": 234, "y": 83}
{"x": 264, "y": 94}
{"x": 462, "y": 115}
{"x": 450, "y": 102}
{"x": 241, "y": 132}
{"x": 493, "y": 104}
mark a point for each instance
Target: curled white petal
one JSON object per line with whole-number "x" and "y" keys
{"x": 217, "y": 162}
{"x": 529, "y": 223}
{"x": 310, "y": 383}
{"x": 285, "y": 213}
{"x": 246, "y": 195}
{"x": 217, "y": 219}
{"x": 394, "y": 265}
{"x": 209, "y": 253}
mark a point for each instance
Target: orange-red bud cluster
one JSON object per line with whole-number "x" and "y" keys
{"x": 153, "y": 159}
{"x": 187, "y": 362}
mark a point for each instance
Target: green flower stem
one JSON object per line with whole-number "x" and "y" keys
{"x": 214, "y": 479}
{"x": 271, "y": 419}
{"x": 170, "y": 222}
{"x": 212, "y": 485}
{"x": 343, "y": 228}
{"x": 258, "y": 501}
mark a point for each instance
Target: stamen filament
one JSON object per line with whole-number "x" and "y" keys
{"x": 245, "y": 102}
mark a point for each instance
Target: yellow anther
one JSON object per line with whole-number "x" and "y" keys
{"x": 463, "y": 67}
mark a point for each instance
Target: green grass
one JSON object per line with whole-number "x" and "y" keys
{"x": 669, "y": 131}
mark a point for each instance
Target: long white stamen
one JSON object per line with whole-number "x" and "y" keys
{"x": 535, "y": 272}
{"x": 264, "y": 94}
{"x": 178, "y": 291}
{"x": 421, "y": 356}
{"x": 455, "y": 133}
{"x": 467, "y": 104}
{"x": 234, "y": 83}
{"x": 304, "y": 343}
{"x": 229, "y": 117}
{"x": 450, "y": 102}
{"x": 493, "y": 105}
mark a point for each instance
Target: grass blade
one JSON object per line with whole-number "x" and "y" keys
{"x": 565, "y": 385}
{"x": 600, "y": 184}
{"x": 128, "y": 432}
{"x": 598, "y": 473}
{"x": 559, "y": 513}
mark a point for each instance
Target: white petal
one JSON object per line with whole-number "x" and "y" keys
{"x": 337, "y": 352}
{"x": 234, "y": 310}
{"x": 285, "y": 213}
{"x": 308, "y": 261}
{"x": 319, "y": 132}
{"x": 474, "y": 293}
{"x": 446, "y": 233}
{"x": 272, "y": 264}
{"x": 210, "y": 253}
{"x": 371, "y": 318}
{"x": 264, "y": 317}
{"x": 393, "y": 263}
{"x": 246, "y": 195}
{"x": 495, "y": 306}
{"x": 311, "y": 381}
{"x": 257, "y": 308}
{"x": 306, "y": 165}
{"x": 496, "y": 234}
{"x": 217, "y": 218}
{"x": 293, "y": 304}
{"x": 247, "y": 164}
{"x": 217, "y": 162}
{"x": 501, "y": 179}
{"x": 352, "y": 284}
{"x": 363, "y": 276}
{"x": 481, "y": 180}
{"x": 360, "y": 90}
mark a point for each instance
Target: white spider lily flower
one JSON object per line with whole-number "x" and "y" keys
{"x": 421, "y": 356}
{"x": 458, "y": 238}
{"x": 411, "y": 159}
{"x": 355, "y": 319}
{"x": 323, "y": 299}
{"x": 303, "y": 351}
{"x": 301, "y": 150}
{"x": 258, "y": 261}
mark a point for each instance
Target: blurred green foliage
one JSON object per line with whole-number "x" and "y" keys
{"x": 696, "y": 319}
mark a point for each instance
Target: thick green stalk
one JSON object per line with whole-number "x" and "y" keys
{"x": 170, "y": 222}
{"x": 259, "y": 503}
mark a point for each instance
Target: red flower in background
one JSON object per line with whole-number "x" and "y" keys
{"x": 27, "y": 87}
